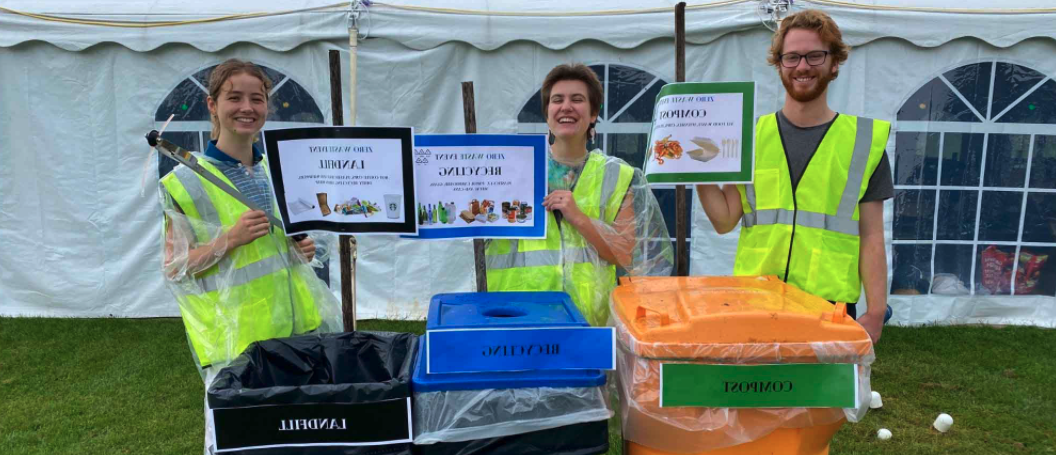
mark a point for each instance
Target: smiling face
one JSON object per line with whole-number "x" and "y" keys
{"x": 806, "y": 83}
{"x": 568, "y": 113}
{"x": 241, "y": 106}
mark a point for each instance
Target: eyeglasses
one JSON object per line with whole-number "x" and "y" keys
{"x": 814, "y": 58}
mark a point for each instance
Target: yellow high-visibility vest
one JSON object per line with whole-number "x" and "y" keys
{"x": 251, "y": 294}
{"x": 562, "y": 261}
{"x": 810, "y": 237}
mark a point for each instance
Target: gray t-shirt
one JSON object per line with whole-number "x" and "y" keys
{"x": 801, "y": 143}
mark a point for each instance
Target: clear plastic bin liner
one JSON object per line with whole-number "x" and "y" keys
{"x": 463, "y": 415}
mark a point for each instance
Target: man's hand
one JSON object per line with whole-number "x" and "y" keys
{"x": 873, "y": 324}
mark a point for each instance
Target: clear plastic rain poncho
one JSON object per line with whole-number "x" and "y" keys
{"x": 728, "y": 321}
{"x": 625, "y": 222}
{"x": 266, "y": 289}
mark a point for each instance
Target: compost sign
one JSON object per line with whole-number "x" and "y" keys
{"x": 816, "y": 385}
{"x": 702, "y": 132}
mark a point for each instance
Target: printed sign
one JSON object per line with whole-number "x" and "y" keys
{"x": 480, "y": 186}
{"x": 519, "y": 349}
{"x": 702, "y": 133}
{"x": 343, "y": 179}
{"x": 315, "y": 425}
{"x": 813, "y": 385}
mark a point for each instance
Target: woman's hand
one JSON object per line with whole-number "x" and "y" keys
{"x": 251, "y": 225}
{"x": 307, "y": 247}
{"x": 563, "y": 201}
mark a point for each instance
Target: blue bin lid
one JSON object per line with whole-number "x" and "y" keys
{"x": 502, "y": 309}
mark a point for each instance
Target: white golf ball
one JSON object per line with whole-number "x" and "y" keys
{"x": 884, "y": 434}
{"x": 876, "y": 402}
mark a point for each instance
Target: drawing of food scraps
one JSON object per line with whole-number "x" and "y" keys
{"x": 707, "y": 150}
{"x": 666, "y": 148}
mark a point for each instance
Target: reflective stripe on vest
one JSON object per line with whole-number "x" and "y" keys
{"x": 536, "y": 258}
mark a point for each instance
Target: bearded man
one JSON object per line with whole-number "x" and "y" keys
{"x": 814, "y": 214}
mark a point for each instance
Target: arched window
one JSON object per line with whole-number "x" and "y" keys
{"x": 623, "y": 124}
{"x": 290, "y": 105}
{"x": 975, "y": 184}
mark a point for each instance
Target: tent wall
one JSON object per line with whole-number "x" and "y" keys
{"x": 80, "y": 234}
{"x": 421, "y": 88}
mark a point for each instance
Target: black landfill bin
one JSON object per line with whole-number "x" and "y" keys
{"x": 330, "y": 394}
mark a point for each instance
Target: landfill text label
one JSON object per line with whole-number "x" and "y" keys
{"x": 312, "y": 424}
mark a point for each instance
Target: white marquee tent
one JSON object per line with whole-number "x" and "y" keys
{"x": 967, "y": 84}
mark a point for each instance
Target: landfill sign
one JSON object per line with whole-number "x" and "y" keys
{"x": 343, "y": 179}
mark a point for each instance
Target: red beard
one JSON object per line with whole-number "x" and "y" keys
{"x": 813, "y": 93}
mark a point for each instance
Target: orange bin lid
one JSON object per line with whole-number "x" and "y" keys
{"x": 743, "y": 319}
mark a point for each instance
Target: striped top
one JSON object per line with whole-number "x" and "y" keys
{"x": 251, "y": 182}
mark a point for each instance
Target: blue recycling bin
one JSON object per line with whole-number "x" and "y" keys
{"x": 532, "y": 412}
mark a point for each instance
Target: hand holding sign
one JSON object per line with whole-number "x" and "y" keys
{"x": 564, "y": 202}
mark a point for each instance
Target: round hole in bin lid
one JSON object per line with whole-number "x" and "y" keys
{"x": 505, "y": 312}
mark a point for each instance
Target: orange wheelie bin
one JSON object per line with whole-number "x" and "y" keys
{"x": 752, "y": 366}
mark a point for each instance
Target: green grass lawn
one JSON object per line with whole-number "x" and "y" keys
{"x": 123, "y": 386}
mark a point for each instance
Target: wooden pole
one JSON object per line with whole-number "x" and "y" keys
{"x": 346, "y": 243}
{"x": 469, "y": 113}
{"x": 681, "y": 249}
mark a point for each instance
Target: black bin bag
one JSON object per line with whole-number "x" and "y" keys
{"x": 332, "y": 394}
